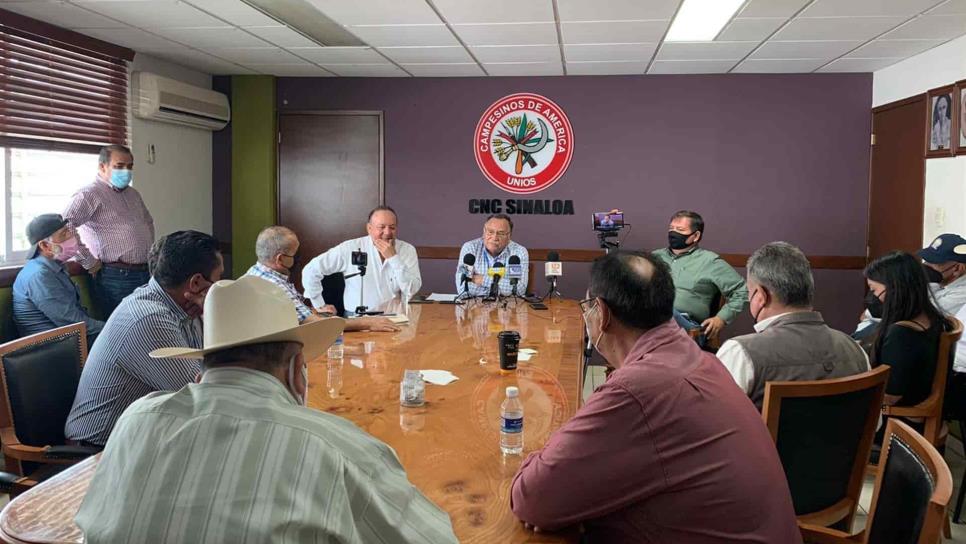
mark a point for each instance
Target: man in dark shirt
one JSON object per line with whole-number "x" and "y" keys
{"x": 668, "y": 449}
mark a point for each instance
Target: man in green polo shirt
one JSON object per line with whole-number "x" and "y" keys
{"x": 699, "y": 276}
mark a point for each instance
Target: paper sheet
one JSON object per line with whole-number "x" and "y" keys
{"x": 398, "y": 319}
{"x": 524, "y": 354}
{"x": 441, "y": 297}
{"x": 438, "y": 377}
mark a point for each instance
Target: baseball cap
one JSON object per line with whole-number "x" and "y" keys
{"x": 41, "y": 228}
{"x": 945, "y": 248}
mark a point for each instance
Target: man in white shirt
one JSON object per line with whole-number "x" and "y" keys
{"x": 392, "y": 269}
{"x": 791, "y": 341}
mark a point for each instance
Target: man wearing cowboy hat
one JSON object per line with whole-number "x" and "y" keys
{"x": 44, "y": 297}
{"x": 238, "y": 457}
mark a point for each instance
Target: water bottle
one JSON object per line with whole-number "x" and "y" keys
{"x": 511, "y": 427}
{"x": 335, "y": 350}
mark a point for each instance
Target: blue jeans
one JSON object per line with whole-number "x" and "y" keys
{"x": 112, "y": 284}
{"x": 686, "y": 323}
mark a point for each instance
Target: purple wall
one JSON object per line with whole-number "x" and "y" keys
{"x": 761, "y": 157}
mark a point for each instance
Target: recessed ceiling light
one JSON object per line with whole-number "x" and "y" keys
{"x": 701, "y": 20}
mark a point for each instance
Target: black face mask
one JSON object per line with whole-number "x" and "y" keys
{"x": 933, "y": 275}
{"x": 676, "y": 240}
{"x": 874, "y": 305}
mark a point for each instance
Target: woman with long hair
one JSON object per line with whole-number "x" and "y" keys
{"x": 907, "y": 337}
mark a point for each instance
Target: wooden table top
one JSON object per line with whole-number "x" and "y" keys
{"x": 450, "y": 447}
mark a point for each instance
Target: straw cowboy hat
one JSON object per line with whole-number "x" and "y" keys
{"x": 252, "y": 310}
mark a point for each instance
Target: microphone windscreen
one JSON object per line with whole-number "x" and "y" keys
{"x": 514, "y": 259}
{"x": 469, "y": 259}
{"x": 553, "y": 256}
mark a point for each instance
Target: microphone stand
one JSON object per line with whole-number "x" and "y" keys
{"x": 361, "y": 309}
{"x": 552, "y": 292}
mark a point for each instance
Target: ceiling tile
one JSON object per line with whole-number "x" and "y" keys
{"x": 393, "y": 35}
{"x": 60, "y": 14}
{"x": 930, "y": 27}
{"x": 340, "y": 55}
{"x": 425, "y": 55}
{"x": 614, "y": 31}
{"x": 691, "y": 66}
{"x": 866, "y": 8}
{"x": 132, "y": 38}
{"x": 615, "y": 10}
{"x": 281, "y": 36}
{"x": 524, "y": 69}
{"x": 255, "y": 55}
{"x": 858, "y": 65}
{"x": 377, "y": 12}
{"x": 153, "y": 14}
{"x": 610, "y": 52}
{"x": 893, "y": 48}
{"x": 204, "y": 38}
{"x": 836, "y": 28}
{"x": 235, "y": 12}
{"x": 778, "y": 66}
{"x": 517, "y": 53}
{"x": 203, "y": 62}
{"x": 507, "y": 34}
{"x": 444, "y": 70}
{"x": 705, "y": 50}
{"x": 496, "y": 11}
{"x": 750, "y": 29}
{"x": 804, "y": 50}
{"x": 951, "y": 6}
{"x": 606, "y": 68}
{"x": 291, "y": 70}
{"x": 772, "y": 8}
{"x": 366, "y": 70}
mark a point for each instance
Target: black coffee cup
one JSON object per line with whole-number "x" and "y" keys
{"x": 509, "y": 343}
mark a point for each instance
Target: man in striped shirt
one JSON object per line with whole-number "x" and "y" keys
{"x": 164, "y": 312}
{"x": 238, "y": 458}
{"x": 115, "y": 226}
{"x": 277, "y": 249}
{"x": 495, "y": 246}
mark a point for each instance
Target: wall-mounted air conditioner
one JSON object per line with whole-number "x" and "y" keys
{"x": 170, "y": 101}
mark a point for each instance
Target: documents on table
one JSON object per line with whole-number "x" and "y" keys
{"x": 438, "y": 377}
{"x": 440, "y": 297}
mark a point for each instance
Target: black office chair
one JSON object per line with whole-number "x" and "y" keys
{"x": 333, "y": 288}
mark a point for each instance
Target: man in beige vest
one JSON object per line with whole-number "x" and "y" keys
{"x": 791, "y": 340}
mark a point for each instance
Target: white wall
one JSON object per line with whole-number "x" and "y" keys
{"x": 945, "y": 206}
{"x": 177, "y": 186}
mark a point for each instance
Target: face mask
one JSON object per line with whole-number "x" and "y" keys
{"x": 874, "y": 305}
{"x": 676, "y": 240}
{"x": 933, "y": 275}
{"x": 66, "y": 250}
{"x": 291, "y": 380}
{"x": 754, "y": 315}
{"x": 120, "y": 179}
{"x": 599, "y": 336}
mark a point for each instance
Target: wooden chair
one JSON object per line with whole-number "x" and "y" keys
{"x": 38, "y": 380}
{"x": 823, "y": 431}
{"x": 912, "y": 491}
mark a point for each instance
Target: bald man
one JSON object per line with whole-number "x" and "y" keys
{"x": 276, "y": 249}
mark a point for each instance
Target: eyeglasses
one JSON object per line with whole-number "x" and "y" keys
{"x": 585, "y": 305}
{"x": 496, "y": 233}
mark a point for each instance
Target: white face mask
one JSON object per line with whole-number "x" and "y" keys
{"x": 599, "y": 336}
{"x": 301, "y": 399}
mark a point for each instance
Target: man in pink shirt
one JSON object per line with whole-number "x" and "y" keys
{"x": 668, "y": 449}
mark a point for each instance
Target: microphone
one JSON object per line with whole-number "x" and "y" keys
{"x": 496, "y": 272}
{"x": 553, "y": 269}
{"x": 468, "y": 261}
{"x": 514, "y": 271}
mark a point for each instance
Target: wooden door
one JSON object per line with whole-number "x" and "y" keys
{"x": 898, "y": 177}
{"x": 330, "y": 175}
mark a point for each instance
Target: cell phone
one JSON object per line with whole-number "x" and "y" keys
{"x": 538, "y": 306}
{"x": 606, "y": 221}
{"x": 360, "y": 258}
{"x": 533, "y": 299}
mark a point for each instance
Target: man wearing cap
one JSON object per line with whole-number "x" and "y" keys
{"x": 44, "y": 297}
{"x": 944, "y": 262}
{"x": 238, "y": 457}
{"x": 165, "y": 312}
{"x": 115, "y": 226}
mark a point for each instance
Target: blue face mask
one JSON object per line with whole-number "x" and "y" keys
{"x": 120, "y": 179}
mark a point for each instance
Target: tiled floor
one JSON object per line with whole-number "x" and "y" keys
{"x": 954, "y": 457}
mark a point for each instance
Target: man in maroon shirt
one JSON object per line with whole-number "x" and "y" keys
{"x": 669, "y": 449}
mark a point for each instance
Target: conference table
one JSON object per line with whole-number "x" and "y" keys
{"x": 450, "y": 447}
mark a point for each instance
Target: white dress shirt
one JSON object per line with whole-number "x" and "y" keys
{"x": 384, "y": 280}
{"x": 959, "y": 364}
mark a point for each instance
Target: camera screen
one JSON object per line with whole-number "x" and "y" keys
{"x": 608, "y": 221}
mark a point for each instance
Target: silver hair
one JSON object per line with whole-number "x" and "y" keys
{"x": 272, "y": 241}
{"x": 784, "y": 270}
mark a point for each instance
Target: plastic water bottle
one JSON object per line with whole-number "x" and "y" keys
{"x": 511, "y": 425}
{"x": 336, "y": 350}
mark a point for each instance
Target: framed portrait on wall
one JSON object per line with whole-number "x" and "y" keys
{"x": 941, "y": 134}
{"x": 961, "y": 107}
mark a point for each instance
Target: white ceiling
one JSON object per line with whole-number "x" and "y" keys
{"x": 436, "y": 38}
